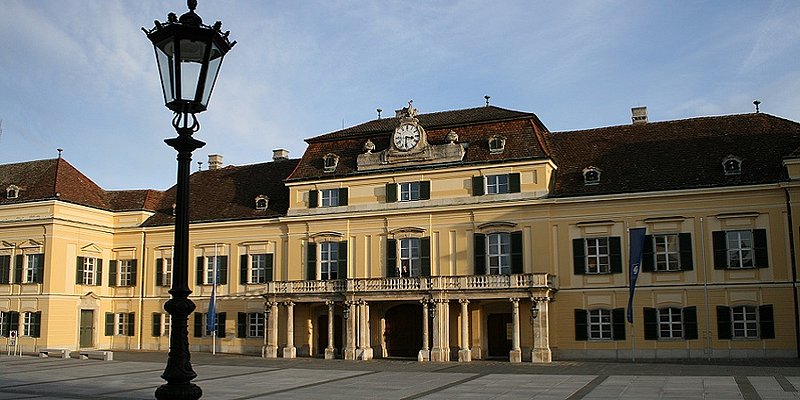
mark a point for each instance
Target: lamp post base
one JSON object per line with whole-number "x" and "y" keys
{"x": 179, "y": 391}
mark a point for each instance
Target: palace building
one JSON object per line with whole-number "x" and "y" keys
{"x": 456, "y": 235}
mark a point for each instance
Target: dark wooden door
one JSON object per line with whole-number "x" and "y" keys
{"x": 499, "y": 330}
{"x": 404, "y": 330}
{"x": 87, "y": 329}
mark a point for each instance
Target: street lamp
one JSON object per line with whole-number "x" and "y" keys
{"x": 189, "y": 56}
{"x": 534, "y": 310}
{"x": 534, "y": 314}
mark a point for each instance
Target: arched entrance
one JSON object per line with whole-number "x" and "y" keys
{"x": 322, "y": 337}
{"x": 404, "y": 330}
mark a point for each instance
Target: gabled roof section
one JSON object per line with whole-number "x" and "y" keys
{"x": 474, "y": 126}
{"x": 672, "y": 155}
{"x": 230, "y": 193}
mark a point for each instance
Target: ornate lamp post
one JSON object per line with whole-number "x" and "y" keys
{"x": 189, "y": 56}
{"x": 534, "y": 314}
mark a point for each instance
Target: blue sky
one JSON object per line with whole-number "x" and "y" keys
{"x": 81, "y": 75}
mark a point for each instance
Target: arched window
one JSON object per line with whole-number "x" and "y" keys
{"x": 591, "y": 175}
{"x": 732, "y": 165}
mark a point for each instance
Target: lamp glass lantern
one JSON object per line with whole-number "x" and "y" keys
{"x": 346, "y": 312}
{"x": 534, "y": 310}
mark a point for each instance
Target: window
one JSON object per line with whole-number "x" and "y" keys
{"x": 28, "y": 268}
{"x": 329, "y": 260}
{"x": 591, "y": 175}
{"x": 597, "y": 255}
{"x": 33, "y": 263}
{"x": 738, "y": 249}
{"x": 667, "y": 252}
{"x": 410, "y": 261}
{"x": 200, "y": 325}
{"x": 164, "y": 272}
{"x": 162, "y": 324}
{"x": 31, "y": 323}
{"x": 497, "y": 144}
{"x": 262, "y": 202}
{"x": 600, "y": 324}
{"x": 329, "y": 198}
{"x": 409, "y": 191}
{"x": 411, "y": 257}
{"x": 207, "y": 266}
{"x": 9, "y": 321}
{"x": 732, "y": 165}
{"x": 89, "y": 271}
{"x": 255, "y": 268}
{"x": 331, "y": 161}
{"x": 670, "y": 323}
{"x": 5, "y": 269}
{"x": 250, "y": 325}
{"x": 498, "y": 253}
{"x": 12, "y": 192}
{"x": 745, "y": 322}
{"x": 495, "y": 184}
{"x": 120, "y": 324}
{"x": 122, "y": 273}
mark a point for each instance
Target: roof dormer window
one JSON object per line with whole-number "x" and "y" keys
{"x": 331, "y": 162}
{"x": 591, "y": 175}
{"x": 497, "y": 144}
{"x": 12, "y": 192}
{"x": 262, "y": 202}
{"x": 732, "y": 165}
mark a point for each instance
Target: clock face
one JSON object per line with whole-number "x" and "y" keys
{"x": 406, "y": 137}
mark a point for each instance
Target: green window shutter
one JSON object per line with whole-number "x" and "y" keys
{"x": 198, "y": 324}
{"x": 311, "y": 261}
{"x": 425, "y": 190}
{"x": 18, "y": 268}
{"x": 221, "y": 324}
{"x": 391, "y": 258}
{"x": 131, "y": 324}
{"x": 581, "y": 325}
{"x": 160, "y": 272}
{"x": 719, "y": 238}
{"x": 615, "y": 254}
{"x": 99, "y": 281}
{"x": 39, "y": 267}
{"x": 313, "y": 198}
{"x": 36, "y": 324}
{"x": 391, "y": 192}
{"x": 650, "y": 317}
{"x": 243, "y": 269}
{"x": 6, "y": 327}
{"x": 79, "y": 271}
{"x": 685, "y": 248}
{"x": 14, "y": 318}
{"x": 5, "y": 269}
{"x": 648, "y": 262}
{"x": 241, "y": 325}
{"x": 269, "y": 270}
{"x": 112, "y": 273}
{"x": 618, "y": 321}
{"x": 690, "y": 323}
{"x": 516, "y": 253}
{"x": 134, "y": 281}
{"x": 342, "y": 262}
{"x": 766, "y": 322}
{"x": 109, "y": 324}
{"x": 343, "y": 196}
{"x": 578, "y": 256}
{"x": 199, "y": 274}
{"x": 425, "y": 256}
{"x": 477, "y": 185}
{"x": 513, "y": 183}
{"x": 156, "y": 332}
{"x": 724, "y": 323}
{"x": 760, "y": 247}
{"x": 479, "y": 244}
{"x": 222, "y": 279}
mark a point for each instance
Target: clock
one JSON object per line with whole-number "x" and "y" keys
{"x": 406, "y": 137}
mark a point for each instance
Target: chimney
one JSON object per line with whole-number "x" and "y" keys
{"x": 214, "y": 161}
{"x": 639, "y": 115}
{"x": 280, "y": 154}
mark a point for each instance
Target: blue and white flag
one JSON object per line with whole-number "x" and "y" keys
{"x": 636, "y": 245}
{"x": 211, "y": 319}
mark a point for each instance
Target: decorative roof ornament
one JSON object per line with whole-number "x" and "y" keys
{"x": 369, "y": 147}
{"x": 452, "y": 136}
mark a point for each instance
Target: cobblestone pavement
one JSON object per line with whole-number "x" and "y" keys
{"x": 135, "y": 375}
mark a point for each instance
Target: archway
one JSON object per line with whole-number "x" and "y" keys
{"x": 322, "y": 337}
{"x": 404, "y": 330}
{"x": 498, "y": 329}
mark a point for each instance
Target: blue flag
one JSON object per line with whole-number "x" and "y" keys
{"x": 211, "y": 319}
{"x": 636, "y": 245}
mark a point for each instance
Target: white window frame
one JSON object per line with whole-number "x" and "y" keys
{"x": 329, "y": 261}
{"x": 670, "y": 323}
{"x": 27, "y": 323}
{"x": 666, "y": 252}
{"x": 409, "y": 255}
{"x": 166, "y": 271}
{"x": 121, "y": 324}
{"x": 597, "y": 255}
{"x": 257, "y": 271}
{"x": 498, "y": 253}
{"x": 124, "y": 273}
{"x": 600, "y": 324}
{"x": 28, "y": 271}
{"x": 497, "y": 184}
{"x": 409, "y": 191}
{"x": 744, "y": 320}
{"x": 207, "y": 333}
{"x": 89, "y": 271}
{"x": 166, "y": 324}
{"x": 208, "y": 269}
{"x": 329, "y": 197}
{"x": 738, "y": 250}
{"x": 255, "y": 324}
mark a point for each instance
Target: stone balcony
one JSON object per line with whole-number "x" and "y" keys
{"x": 470, "y": 285}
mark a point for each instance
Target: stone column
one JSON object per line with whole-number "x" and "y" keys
{"x": 425, "y": 352}
{"x": 441, "y": 347}
{"x": 515, "y": 355}
{"x": 364, "y": 349}
{"x": 289, "y": 351}
{"x": 330, "y": 351}
{"x": 272, "y": 331}
{"x": 541, "y": 333}
{"x": 464, "y": 354}
{"x": 350, "y": 323}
